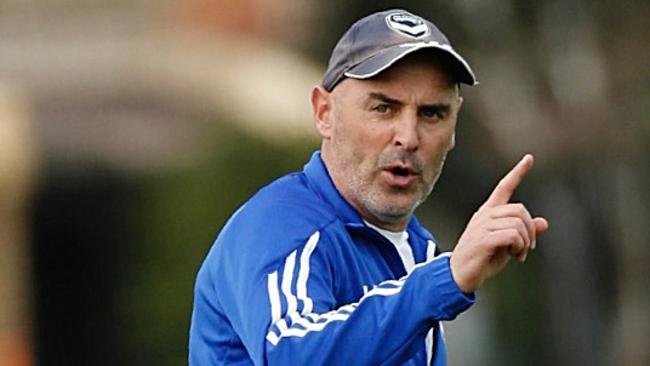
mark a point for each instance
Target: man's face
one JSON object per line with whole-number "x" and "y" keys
{"x": 385, "y": 140}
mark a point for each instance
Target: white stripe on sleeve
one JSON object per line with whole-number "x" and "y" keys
{"x": 287, "y": 277}
{"x": 301, "y": 286}
{"x": 431, "y": 250}
{"x": 273, "y": 338}
{"x": 274, "y": 297}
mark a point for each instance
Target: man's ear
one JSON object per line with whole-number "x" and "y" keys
{"x": 321, "y": 102}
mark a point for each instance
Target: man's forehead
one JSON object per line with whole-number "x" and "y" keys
{"x": 363, "y": 95}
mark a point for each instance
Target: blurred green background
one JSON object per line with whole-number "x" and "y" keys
{"x": 131, "y": 130}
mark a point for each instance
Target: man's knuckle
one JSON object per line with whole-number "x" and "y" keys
{"x": 513, "y": 235}
{"x": 521, "y": 208}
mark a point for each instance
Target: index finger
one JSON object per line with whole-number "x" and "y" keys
{"x": 507, "y": 185}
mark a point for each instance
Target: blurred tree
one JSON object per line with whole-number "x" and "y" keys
{"x": 178, "y": 214}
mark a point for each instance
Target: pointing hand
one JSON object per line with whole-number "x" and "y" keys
{"x": 497, "y": 231}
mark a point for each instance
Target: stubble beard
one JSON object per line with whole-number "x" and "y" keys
{"x": 376, "y": 201}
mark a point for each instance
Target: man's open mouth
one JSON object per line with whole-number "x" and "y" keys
{"x": 401, "y": 171}
{"x": 400, "y": 175}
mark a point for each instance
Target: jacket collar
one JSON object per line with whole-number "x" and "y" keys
{"x": 320, "y": 181}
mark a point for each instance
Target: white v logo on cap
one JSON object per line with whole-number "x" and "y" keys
{"x": 407, "y": 24}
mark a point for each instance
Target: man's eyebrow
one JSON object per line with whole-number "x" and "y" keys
{"x": 442, "y": 107}
{"x": 384, "y": 98}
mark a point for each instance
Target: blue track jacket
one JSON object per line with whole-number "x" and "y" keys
{"x": 296, "y": 278}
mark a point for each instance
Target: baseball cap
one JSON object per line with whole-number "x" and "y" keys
{"x": 376, "y": 42}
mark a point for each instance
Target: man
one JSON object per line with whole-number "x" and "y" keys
{"x": 329, "y": 266}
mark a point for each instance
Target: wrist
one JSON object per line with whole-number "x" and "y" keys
{"x": 457, "y": 276}
{"x": 449, "y": 300}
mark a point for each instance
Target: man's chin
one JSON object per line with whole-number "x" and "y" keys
{"x": 394, "y": 212}
{"x": 402, "y": 201}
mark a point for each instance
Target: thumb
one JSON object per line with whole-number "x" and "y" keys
{"x": 541, "y": 225}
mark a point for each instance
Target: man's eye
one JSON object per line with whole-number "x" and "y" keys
{"x": 433, "y": 113}
{"x": 382, "y": 108}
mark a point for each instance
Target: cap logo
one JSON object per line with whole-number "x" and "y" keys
{"x": 407, "y": 24}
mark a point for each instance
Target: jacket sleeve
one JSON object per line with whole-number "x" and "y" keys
{"x": 286, "y": 312}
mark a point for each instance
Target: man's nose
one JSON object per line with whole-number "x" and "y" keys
{"x": 406, "y": 132}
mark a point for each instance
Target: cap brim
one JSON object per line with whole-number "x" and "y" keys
{"x": 384, "y": 59}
